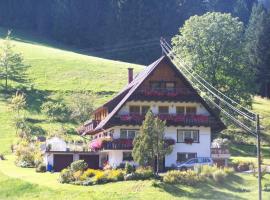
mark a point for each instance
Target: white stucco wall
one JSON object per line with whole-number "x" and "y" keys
{"x": 202, "y": 148}
{"x": 57, "y": 144}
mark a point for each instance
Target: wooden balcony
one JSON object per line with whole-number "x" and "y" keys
{"x": 168, "y": 94}
{"x": 220, "y": 153}
{"x": 171, "y": 119}
{"x": 91, "y": 125}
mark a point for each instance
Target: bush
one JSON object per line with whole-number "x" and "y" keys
{"x": 241, "y": 165}
{"x": 89, "y": 173}
{"x": 182, "y": 177}
{"x": 129, "y": 168}
{"x": 143, "y": 173}
{"x": 219, "y": 176}
{"x": 77, "y": 175}
{"x": 228, "y": 170}
{"x": 55, "y": 110}
{"x": 100, "y": 177}
{"x": 66, "y": 176}
{"x": 79, "y": 165}
{"x": 115, "y": 175}
{"x": 207, "y": 171}
{"x": 129, "y": 177}
{"x": 41, "y": 168}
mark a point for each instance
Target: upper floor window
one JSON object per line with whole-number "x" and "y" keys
{"x": 191, "y": 110}
{"x": 180, "y": 110}
{"x": 145, "y": 109}
{"x": 170, "y": 86}
{"x": 134, "y": 109}
{"x": 155, "y": 85}
{"x": 128, "y": 133}
{"x": 163, "y": 109}
{"x": 182, "y": 135}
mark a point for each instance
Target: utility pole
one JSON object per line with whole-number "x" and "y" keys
{"x": 259, "y": 156}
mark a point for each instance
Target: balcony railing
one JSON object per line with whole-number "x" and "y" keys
{"x": 169, "y": 118}
{"x": 91, "y": 125}
{"x": 118, "y": 144}
{"x": 170, "y": 92}
{"x": 220, "y": 153}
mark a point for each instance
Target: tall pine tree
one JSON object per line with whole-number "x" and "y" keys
{"x": 257, "y": 47}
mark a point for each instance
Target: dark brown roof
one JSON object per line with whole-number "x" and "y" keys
{"x": 119, "y": 100}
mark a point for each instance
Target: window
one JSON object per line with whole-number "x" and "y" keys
{"x": 163, "y": 109}
{"x": 127, "y": 156}
{"x": 191, "y": 110}
{"x": 128, "y": 134}
{"x": 180, "y": 110}
{"x": 182, "y": 157}
{"x": 170, "y": 86}
{"x": 155, "y": 85}
{"x": 134, "y": 109}
{"x": 145, "y": 109}
{"x": 187, "y": 134}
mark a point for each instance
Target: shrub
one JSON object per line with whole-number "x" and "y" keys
{"x": 100, "y": 177}
{"x": 89, "y": 173}
{"x": 207, "y": 171}
{"x": 182, "y": 177}
{"x": 77, "y": 175}
{"x": 115, "y": 175}
{"x": 129, "y": 168}
{"x": 129, "y": 177}
{"x": 242, "y": 165}
{"x": 79, "y": 165}
{"x": 228, "y": 170}
{"x": 144, "y": 173}
{"x": 41, "y": 168}
{"x": 219, "y": 176}
{"x": 55, "y": 110}
{"x": 66, "y": 176}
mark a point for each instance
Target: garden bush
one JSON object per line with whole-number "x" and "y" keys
{"x": 55, "y": 110}
{"x": 114, "y": 175}
{"x": 100, "y": 177}
{"x": 66, "y": 176}
{"x": 129, "y": 168}
{"x": 2, "y": 157}
{"x": 219, "y": 176}
{"x": 242, "y": 165}
{"x": 41, "y": 168}
{"x": 182, "y": 177}
{"x": 79, "y": 165}
{"x": 143, "y": 173}
{"x": 207, "y": 171}
{"x": 89, "y": 173}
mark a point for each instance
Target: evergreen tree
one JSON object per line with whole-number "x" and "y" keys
{"x": 11, "y": 64}
{"x": 257, "y": 47}
{"x": 149, "y": 145}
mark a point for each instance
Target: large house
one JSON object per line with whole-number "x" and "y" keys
{"x": 190, "y": 122}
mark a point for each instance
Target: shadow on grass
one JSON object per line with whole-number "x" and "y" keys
{"x": 206, "y": 190}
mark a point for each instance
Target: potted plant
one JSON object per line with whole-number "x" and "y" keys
{"x": 188, "y": 140}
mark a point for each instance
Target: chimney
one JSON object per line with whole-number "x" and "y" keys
{"x": 130, "y": 75}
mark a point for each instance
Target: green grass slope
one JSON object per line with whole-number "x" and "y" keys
{"x": 59, "y": 72}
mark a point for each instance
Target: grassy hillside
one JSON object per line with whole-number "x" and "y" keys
{"x": 58, "y": 73}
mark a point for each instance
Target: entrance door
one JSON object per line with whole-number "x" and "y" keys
{"x": 61, "y": 161}
{"x": 91, "y": 160}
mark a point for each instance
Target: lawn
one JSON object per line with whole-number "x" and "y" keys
{"x": 20, "y": 183}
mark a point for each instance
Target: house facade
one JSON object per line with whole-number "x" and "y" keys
{"x": 190, "y": 122}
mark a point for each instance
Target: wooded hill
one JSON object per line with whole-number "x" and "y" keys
{"x": 120, "y": 29}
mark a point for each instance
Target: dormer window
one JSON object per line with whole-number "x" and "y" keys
{"x": 134, "y": 109}
{"x": 170, "y": 86}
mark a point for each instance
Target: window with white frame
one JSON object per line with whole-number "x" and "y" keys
{"x": 182, "y": 135}
{"x": 128, "y": 133}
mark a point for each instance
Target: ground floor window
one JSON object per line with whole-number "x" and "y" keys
{"x": 181, "y": 157}
{"x": 127, "y": 156}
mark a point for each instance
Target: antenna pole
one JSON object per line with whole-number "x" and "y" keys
{"x": 259, "y": 157}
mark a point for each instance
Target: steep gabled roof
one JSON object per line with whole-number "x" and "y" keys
{"x": 120, "y": 99}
